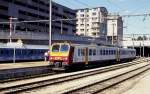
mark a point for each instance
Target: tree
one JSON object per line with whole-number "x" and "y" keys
{"x": 144, "y": 37}
{"x": 140, "y": 38}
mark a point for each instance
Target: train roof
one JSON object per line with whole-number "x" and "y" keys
{"x": 22, "y": 46}
{"x": 94, "y": 45}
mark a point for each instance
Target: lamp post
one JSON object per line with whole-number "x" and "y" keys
{"x": 10, "y": 28}
{"x": 50, "y": 22}
{"x": 50, "y": 25}
{"x": 143, "y": 46}
{"x": 113, "y": 25}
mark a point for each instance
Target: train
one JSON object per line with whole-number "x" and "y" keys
{"x": 21, "y": 52}
{"x": 64, "y": 56}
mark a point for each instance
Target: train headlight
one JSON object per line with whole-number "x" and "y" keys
{"x": 51, "y": 58}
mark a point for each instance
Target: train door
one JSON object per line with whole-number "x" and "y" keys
{"x": 118, "y": 55}
{"x": 86, "y": 55}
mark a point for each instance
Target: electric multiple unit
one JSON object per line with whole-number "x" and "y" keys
{"x": 65, "y": 55}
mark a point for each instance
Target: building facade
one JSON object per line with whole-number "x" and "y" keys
{"x": 29, "y": 10}
{"x": 115, "y": 29}
{"x": 92, "y": 22}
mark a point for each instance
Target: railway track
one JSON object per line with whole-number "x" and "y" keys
{"x": 26, "y": 76}
{"x": 101, "y": 85}
{"x": 58, "y": 80}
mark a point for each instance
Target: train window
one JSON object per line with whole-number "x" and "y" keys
{"x": 1, "y": 52}
{"x": 19, "y": 52}
{"x": 90, "y": 51}
{"x": 79, "y": 51}
{"x": 30, "y": 52}
{"x": 106, "y": 52}
{"x": 64, "y": 48}
{"x": 6, "y": 52}
{"x": 55, "y": 48}
{"x": 110, "y": 52}
{"x": 94, "y": 51}
{"x": 114, "y": 51}
{"x": 103, "y": 52}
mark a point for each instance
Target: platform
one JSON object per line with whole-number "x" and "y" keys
{"x": 5, "y": 66}
{"x": 23, "y": 69}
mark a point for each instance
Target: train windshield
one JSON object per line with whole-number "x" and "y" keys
{"x": 64, "y": 48}
{"x": 55, "y": 48}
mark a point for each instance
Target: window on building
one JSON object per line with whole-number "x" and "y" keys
{"x": 87, "y": 20}
{"x": 82, "y": 20}
{"x": 81, "y": 30}
{"x": 82, "y": 15}
{"x": 82, "y": 10}
{"x": 94, "y": 9}
{"x": 87, "y": 10}
{"x": 94, "y": 13}
{"x": 81, "y": 24}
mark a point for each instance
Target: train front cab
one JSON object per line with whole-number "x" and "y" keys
{"x": 60, "y": 56}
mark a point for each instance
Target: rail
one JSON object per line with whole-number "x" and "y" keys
{"x": 57, "y": 79}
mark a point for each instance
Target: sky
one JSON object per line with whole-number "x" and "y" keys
{"x": 134, "y": 25}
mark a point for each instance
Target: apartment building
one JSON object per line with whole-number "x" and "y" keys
{"x": 27, "y": 10}
{"x": 92, "y": 22}
{"x": 115, "y": 29}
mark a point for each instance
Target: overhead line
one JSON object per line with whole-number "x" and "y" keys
{"x": 74, "y": 19}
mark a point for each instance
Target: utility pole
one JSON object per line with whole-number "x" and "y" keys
{"x": 118, "y": 41}
{"x": 143, "y": 46}
{"x": 61, "y": 27}
{"x": 50, "y": 25}
{"x": 113, "y": 34}
{"x": 15, "y": 26}
{"x": 133, "y": 41}
{"x": 10, "y": 28}
{"x": 85, "y": 22}
{"x": 140, "y": 49}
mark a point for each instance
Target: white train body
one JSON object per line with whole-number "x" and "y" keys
{"x": 102, "y": 53}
